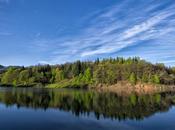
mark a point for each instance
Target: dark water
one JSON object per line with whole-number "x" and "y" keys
{"x": 47, "y": 109}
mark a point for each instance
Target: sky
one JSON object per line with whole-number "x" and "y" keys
{"x": 57, "y": 31}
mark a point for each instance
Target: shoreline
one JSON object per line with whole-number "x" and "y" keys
{"x": 119, "y": 88}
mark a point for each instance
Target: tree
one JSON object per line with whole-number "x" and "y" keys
{"x": 155, "y": 79}
{"x": 100, "y": 74}
{"x": 59, "y": 75}
{"x": 107, "y": 71}
{"x": 97, "y": 61}
{"x": 133, "y": 78}
{"x": 76, "y": 69}
{"x": 145, "y": 78}
{"x": 10, "y": 77}
{"x": 111, "y": 75}
{"x": 87, "y": 75}
{"x": 24, "y": 77}
{"x": 79, "y": 80}
{"x": 173, "y": 69}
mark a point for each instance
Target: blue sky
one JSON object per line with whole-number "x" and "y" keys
{"x": 58, "y": 31}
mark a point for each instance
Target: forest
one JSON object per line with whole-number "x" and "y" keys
{"x": 88, "y": 73}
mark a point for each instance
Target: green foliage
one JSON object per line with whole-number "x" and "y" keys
{"x": 173, "y": 70}
{"x": 59, "y": 75}
{"x": 83, "y": 79}
{"x": 133, "y": 78}
{"x": 24, "y": 77}
{"x": 144, "y": 78}
{"x": 100, "y": 74}
{"x": 76, "y": 68}
{"x": 87, "y": 77}
{"x": 156, "y": 79}
{"x": 106, "y": 71}
{"x": 11, "y": 76}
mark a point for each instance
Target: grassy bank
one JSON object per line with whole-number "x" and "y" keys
{"x": 73, "y": 83}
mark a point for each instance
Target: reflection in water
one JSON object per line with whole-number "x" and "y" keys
{"x": 107, "y": 105}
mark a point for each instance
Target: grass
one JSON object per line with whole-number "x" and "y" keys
{"x": 67, "y": 84}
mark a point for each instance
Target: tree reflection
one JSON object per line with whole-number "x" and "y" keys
{"x": 106, "y": 105}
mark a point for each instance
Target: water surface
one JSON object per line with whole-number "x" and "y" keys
{"x": 61, "y": 109}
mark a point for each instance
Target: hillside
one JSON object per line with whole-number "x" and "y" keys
{"x": 80, "y": 74}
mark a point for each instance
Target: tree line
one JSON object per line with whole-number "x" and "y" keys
{"x": 83, "y": 73}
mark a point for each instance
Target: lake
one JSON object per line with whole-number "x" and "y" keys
{"x": 68, "y": 109}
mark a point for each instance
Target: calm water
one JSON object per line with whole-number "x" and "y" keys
{"x": 47, "y": 109}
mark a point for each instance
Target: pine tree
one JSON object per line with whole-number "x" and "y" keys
{"x": 88, "y": 75}
{"x": 133, "y": 78}
{"x": 156, "y": 79}
{"x": 144, "y": 78}
{"x": 59, "y": 75}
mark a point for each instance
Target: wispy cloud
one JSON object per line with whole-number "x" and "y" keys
{"x": 117, "y": 28}
{"x": 138, "y": 32}
{"x": 146, "y": 25}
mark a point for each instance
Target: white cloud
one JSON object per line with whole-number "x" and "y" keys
{"x": 129, "y": 35}
{"x": 117, "y": 28}
{"x": 148, "y": 24}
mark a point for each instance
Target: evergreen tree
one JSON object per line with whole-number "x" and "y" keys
{"x": 59, "y": 75}
{"x": 155, "y": 79}
{"x": 87, "y": 75}
{"x": 145, "y": 78}
{"x": 108, "y": 71}
{"x": 133, "y": 78}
